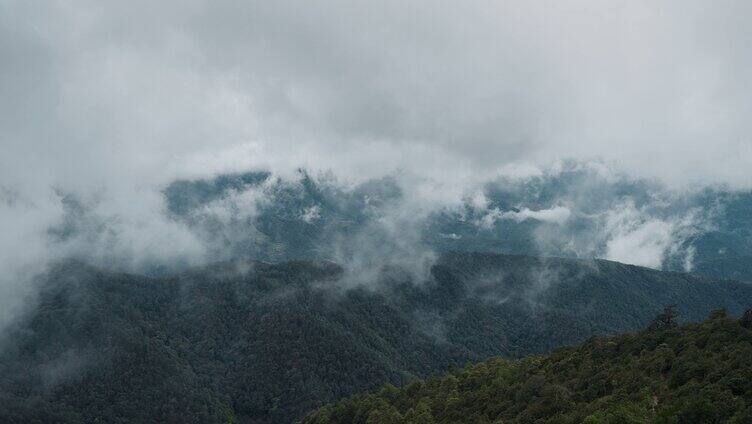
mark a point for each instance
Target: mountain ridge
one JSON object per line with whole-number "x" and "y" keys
{"x": 254, "y": 342}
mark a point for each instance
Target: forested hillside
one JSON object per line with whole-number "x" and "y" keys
{"x": 251, "y": 342}
{"x": 699, "y": 373}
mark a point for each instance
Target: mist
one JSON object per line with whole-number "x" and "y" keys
{"x": 409, "y": 117}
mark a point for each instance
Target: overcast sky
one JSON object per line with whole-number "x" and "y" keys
{"x": 137, "y": 92}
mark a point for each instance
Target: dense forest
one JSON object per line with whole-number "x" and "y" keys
{"x": 251, "y": 342}
{"x": 698, "y": 373}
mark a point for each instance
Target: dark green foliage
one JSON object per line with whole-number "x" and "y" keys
{"x": 251, "y": 342}
{"x": 699, "y": 373}
{"x": 746, "y": 319}
{"x": 666, "y": 319}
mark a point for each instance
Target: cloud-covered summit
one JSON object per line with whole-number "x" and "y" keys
{"x": 103, "y": 105}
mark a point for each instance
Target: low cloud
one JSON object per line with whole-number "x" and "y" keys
{"x": 634, "y": 237}
{"x": 556, "y": 215}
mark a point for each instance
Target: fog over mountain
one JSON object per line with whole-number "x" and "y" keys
{"x": 368, "y": 159}
{"x": 579, "y": 129}
{"x": 250, "y": 342}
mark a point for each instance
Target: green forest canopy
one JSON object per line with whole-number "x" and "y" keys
{"x": 698, "y": 373}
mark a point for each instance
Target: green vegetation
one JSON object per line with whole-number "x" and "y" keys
{"x": 252, "y": 342}
{"x": 699, "y": 373}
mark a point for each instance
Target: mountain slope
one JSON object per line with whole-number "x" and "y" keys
{"x": 699, "y": 373}
{"x": 253, "y": 342}
{"x": 314, "y": 217}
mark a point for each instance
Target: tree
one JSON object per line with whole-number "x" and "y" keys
{"x": 746, "y": 319}
{"x": 384, "y": 414}
{"x": 665, "y": 320}
{"x": 718, "y": 314}
{"x": 421, "y": 414}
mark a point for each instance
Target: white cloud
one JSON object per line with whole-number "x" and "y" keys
{"x": 311, "y": 214}
{"x": 556, "y": 215}
{"x": 479, "y": 201}
{"x": 634, "y": 237}
{"x": 143, "y": 92}
{"x": 23, "y": 247}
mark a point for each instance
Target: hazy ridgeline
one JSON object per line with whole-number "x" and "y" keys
{"x": 575, "y": 211}
{"x": 257, "y": 342}
{"x": 219, "y": 210}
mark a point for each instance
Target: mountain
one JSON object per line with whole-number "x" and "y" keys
{"x": 575, "y": 212}
{"x": 699, "y": 373}
{"x": 707, "y": 232}
{"x": 252, "y": 342}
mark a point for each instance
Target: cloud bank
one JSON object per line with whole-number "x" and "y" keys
{"x": 104, "y": 104}
{"x": 101, "y": 92}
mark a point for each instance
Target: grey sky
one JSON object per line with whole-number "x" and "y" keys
{"x": 139, "y": 92}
